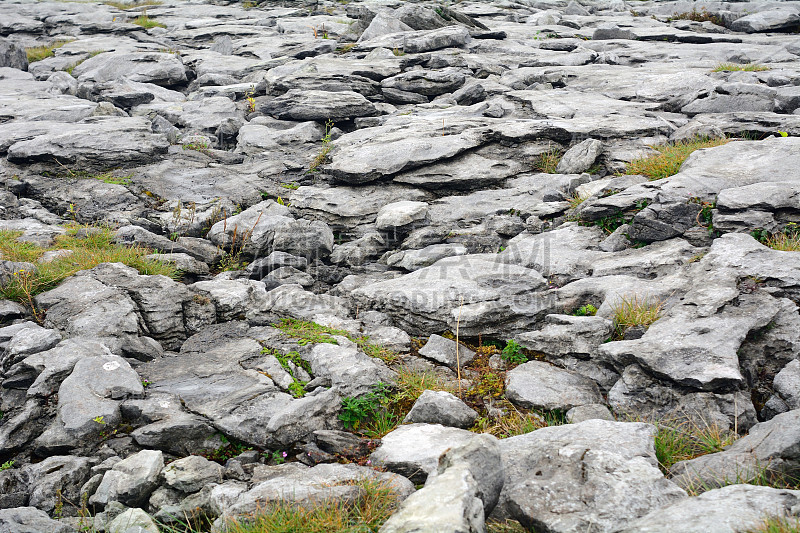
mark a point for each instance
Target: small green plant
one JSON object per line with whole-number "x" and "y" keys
{"x": 783, "y": 133}
{"x": 279, "y": 457}
{"x": 7, "y": 465}
{"x": 145, "y": 383}
{"x": 230, "y": 448}
{"x": 397, "y": 52}
{"x": 322, "y": 156}
{"x": 345, "y": 48}
{"x": 249, "y": 98}
{"x": 196, "y": 146}
{"x": 732, "y": 67}
{"x": 100, "y": 420}
{"x": 512, "y": 353}
{"x": 357, "y": 410}
{"x": 670, "y": 157}
{"x": 586, "y": 310}
{"x": 577, "y": 199}
{"x": 311, "y": 333}
{"x": 630, "y": 311}
{"x": 697, "y": 16}
{"x": 37, "y": 53}
{"x": 146, "y": 22}
{"x": 291, "y": 186}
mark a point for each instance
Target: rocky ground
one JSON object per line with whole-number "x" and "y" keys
{"x": 333, "y": 206}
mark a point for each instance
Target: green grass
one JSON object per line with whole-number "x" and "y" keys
{"x": 548, "y": 161}
{"x": 146, "y": 22}
{"x": 670, "y": 157}
{"x": 311, "y": 333}
{"x": 747, "y": 67}
{"x": 630, "y": 311}
{"x": 97, "y": 247}
{"x": 508, "y": 526}
{"x": 93, "y": 53}
{"x": 680, "y": 440}
{"x": 377, "y": 502}
{"x": 777, "y": 524}
{"x": 140, "y": 3}
{"x": 785, "y": 242}
{"x": 37, "y": 53}
{"x": 577, "y": 199}
{"x": 105, "y": 177}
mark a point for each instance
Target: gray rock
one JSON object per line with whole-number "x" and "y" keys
{"x": 399, "y": 215}
{"x": 545, "y": 489}
{"x": 148, "y": 67}
{"x": 426, "y": 82}
{"x": 540, "y": 385}
{"x": 131, "y": 481}
{"x": 192, "y": 473}
{"x": 30, "y": 520}
{"x": 440, "y": 407}
{"x": 359, "y": 251}
{"x": 446, "y": 352}
{"x": 449, "y": 37}
{"x": 567, "y": 335}
{"x": 12, "y": 55}
{"x": 580, "y": 157}
{"x": 787, "y": 384}
{"x": 777, "y": 18}
{"x": 64, "y": 475}
{"x": 349, "y": 370}
{"x": 132, "y": 521}
{"x": 591, "y": 411}
{"x": 612, "y": 31}
{"x": 298, "y": 104}
{"x": 413, "y": 450}
{"x": 726, "y": 510}
{"x": 412, "y": 260}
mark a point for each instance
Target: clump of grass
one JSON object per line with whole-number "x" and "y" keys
{"x": 682, "y": 439}
{"x": 93, "y": 53}
{"x": 630, "y": 311}
{"x": 377, "y": 502}
{"x": 697, "y": 16}
{"x": 312, "y": 333}
{"x": 577, "y": 199}
{"x": 106, "y": 177}
{"x": 670, "y": 158}
{"x": 412, "y": 383}
{"x": 747, "y": 67}
{"x": 37, "y": 53}
{"x": 508, "y": 526}
{"x": 97, "y": 246}
{"x": 322, "y": 156}
{"x": 548, "y": 161}
{"x": 517, "y": 422}
{"x": 777, "y": 524}
{"x": 146, "y": 22}
{"x": 786, "y": 242}
{"x": 139, "y": 3}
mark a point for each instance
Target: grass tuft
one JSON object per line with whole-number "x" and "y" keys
{"x": 680, "y": 440}
{"x": 747, "y": 67}
{"x": 632, "y": 311}
{"x": 577, "y": 199}
{"x": 139, "y": 3}
{"x": 670, "y": 158}
{"x": 777, "y": 524}
{"x": 517, "y": 423}
{"x": 96, "y": 247}
{"x": 785, "y": 242}
{"x": 146, "y": 22}
{"x": 548, "y": 161}
{"x": 311, "y": 333}
{"x": 377, "y": 502}
{"x": 37, "y": 53}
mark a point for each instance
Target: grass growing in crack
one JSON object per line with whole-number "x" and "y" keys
{"x": 776, "y": 524}
{"x": 105, "y": 177}
{"x": 377, "y": 501}
{"x": 311, "y": 333}
{"x": 732, "y": 67}
{"x": 548, "y": 161}
{"x": 577, "y": 199}
{"x": 37, "y": 53}
{"x": 679, "y": 440}
{"x": 139, "y": 3}
{"x": 146, "y": 22}
{"x": 322, "y": 156}
{"x": 784, "y": 242}
{"x": 507, "y": 526}
{"x": 517, "y": 423}
{"x": 97, "y": 246}
{"x": 512, "y": 353}
{"x": 630, "y": 311}
{"x": 670, "y": 158}
{"x": 697, "y": 16}
{"x": 93, "y": 53}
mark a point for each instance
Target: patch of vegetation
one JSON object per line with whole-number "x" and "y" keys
{"x": 146, "y": 22}
{"x": 105, "y": 177}
{"x": 577, "y": 199}
{"x": 548, "y": 161}
{"x": 291, "y": 186}
{"x": 697, "y": 16}
{"x": 777, "y": 524}
{"x": 93, "y": 53}
{"x": 230, "y": 448}
{"x": 609, "y": 223}
{"x": 297, "y": 387}
{"x": 585, "y": 310}
{"x": 37, "y": 53}
{"x": 517, "y": 423}
{"x": 322, "y": 156}
{"x": 376, "y": 503}
{"x": 787, "y": 240}
{"x": 670, "y": 158}
{"x": 358, "y": 410}
{"x": 397, "y": 52}
{"x": 125, "y": 5}
{"x": 196, "y": 146}
{"x": 679, "y": 440}
{"x": 512, "y": 353}
{"x": 311, "y": 333}
{"x": 508, "y": 526}
{"x": 732, "y": 67}
{"x": 630, "y": 311}
{"x": 89, "y": 249}
{"x": 7, "y": 465}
